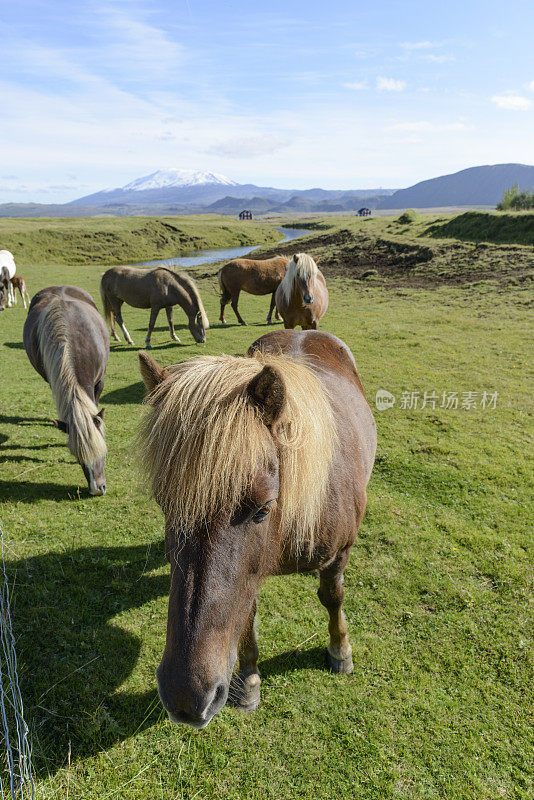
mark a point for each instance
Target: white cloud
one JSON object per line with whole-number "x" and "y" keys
{"x": 511, "y": 102}
{"x": 531, "y": 86}
{"x": 418, "y": 45}
{"x": 247, "y": 147}
{"x": 356, "y": 85}
{"x": 424, "y": 126}
{"x": 442, "y": 58}
{"x": 135, "y": 43}
{"x": 390, "y": 85}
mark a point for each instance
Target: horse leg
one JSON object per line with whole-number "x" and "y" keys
{"x": 152, "y": 321}
{"x": 27, "y": 296}
{"x": 271, "y": 309}
{"x": 122, "y": 326}
{"x": 170, "y": 320}
{"x": 22, "y": 289}
{"x": 331, "y": 594}
{"x": 225, "y": 298}
{"x": 11, "y": 298}
{"x": 245, "y": 685}
{"x": 235, "y": 298}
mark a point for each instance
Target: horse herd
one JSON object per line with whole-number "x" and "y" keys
{"x": 259, "y": 462}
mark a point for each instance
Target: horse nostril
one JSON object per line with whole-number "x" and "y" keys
{"x": 219, "y": 698}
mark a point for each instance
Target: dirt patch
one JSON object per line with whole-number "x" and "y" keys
{"x": 393, "y": 263}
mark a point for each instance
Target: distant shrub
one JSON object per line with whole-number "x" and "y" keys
{"x": 407, "y": 217}
{"x": 515, "y": 200}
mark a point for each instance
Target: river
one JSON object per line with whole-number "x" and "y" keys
{"x": 224, "y": 254}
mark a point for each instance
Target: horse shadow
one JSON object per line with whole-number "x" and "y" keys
{"x": 134, "y": 393}
{"x": 5, "y": 419}
{"x": 291, "y": 660}
{"x": 14, "y": 345}
{"x": 72, "y": 656}
{"x": 127, "y": 348}
{"x": 31, "y": 491}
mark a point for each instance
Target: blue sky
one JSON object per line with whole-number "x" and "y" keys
{"x": 291, "y": 94}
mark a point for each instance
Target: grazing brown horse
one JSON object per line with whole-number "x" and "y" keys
{"x": 260, "y": 464}
{"x": 19, "y": 283}
{"x": 67, "y": 342}
{"x": 255, "y": 276}
{"x": 155, "y": 289}
{"x": 302, "y": 297}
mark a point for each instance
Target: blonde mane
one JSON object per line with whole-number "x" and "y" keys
{"x": 74, "y": 406}
{"x": 202, "y": 441}
{"x": 191, "y": 287}
{"x": 301, "y": 265}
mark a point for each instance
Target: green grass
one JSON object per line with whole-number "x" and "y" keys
{"x": 118, "y": 240}
{"x": 437, "y": 589}
{"x": 498, "y": 227}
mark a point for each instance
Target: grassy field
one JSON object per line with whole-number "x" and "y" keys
{"x": 438, "y": 589}
{"x": 119, "y": 240}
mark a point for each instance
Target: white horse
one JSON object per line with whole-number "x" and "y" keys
{"x": 7, "y": 261}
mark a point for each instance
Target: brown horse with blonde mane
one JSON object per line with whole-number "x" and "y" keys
{"x": 260, "y": 465}
{"x": 67, "y": 343}
{"x": 302, "y": 297}
{"x": 252, "y": 275}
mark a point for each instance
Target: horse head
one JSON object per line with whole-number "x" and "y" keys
{"x": 217, "y": 563}
{"x": 305, "y": 272}
{"x": 92, "y": 459}
{"x": 4, "y": 287}
{"x": 197, "y": 328}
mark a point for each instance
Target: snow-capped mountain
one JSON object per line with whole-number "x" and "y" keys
{"x": 178, "y": 191}
{"x": 165, "y": 186}
{"x": 173, "y": 177}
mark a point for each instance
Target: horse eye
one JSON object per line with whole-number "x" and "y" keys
{"x": 261, "y": 514}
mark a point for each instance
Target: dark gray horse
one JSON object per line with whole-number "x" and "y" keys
{"x": 67, "y": 342}
{"x": 4, "y": 287}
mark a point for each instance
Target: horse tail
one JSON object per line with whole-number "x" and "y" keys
{"x": 224, "y": 289}
{"x": 108, "y": 311}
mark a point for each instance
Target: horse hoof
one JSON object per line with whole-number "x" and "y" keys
{"x": 245, "y": 692}
{"x": 340, "y": 666}
{"x": 242, "y": 322}
{"x": 147, "y": 346}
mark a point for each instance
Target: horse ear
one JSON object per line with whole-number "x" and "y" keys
{"x": 60, "y": 425}
{"x": 151, "y": 372}
{"x": 267, "y": 392}
{"x": 317, "y": 259}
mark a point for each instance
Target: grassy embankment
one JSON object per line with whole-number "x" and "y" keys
{"x": 438, "y": 589}
{"x": 121, "y": 240}
{"x": 422, "y": 251}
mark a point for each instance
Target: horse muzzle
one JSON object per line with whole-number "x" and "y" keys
{"x": 193, "y": 707}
